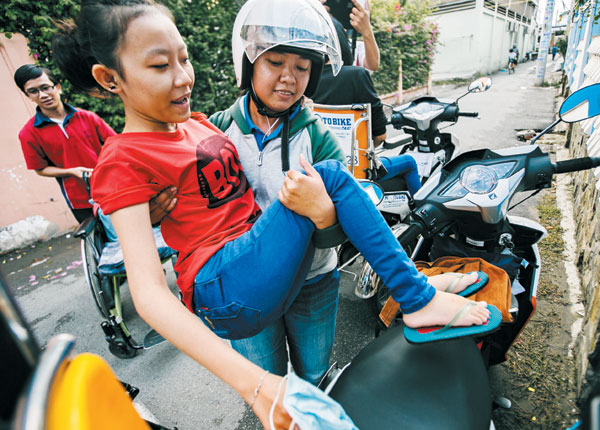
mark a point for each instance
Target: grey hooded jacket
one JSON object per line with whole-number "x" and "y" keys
{"x": 308, "y": 136}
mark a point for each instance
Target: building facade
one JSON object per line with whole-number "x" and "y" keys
{"x": 475, "y": 35}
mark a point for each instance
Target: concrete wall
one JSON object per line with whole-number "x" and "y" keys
{"x": 476, "y": 40}
{"x": 587, "y": 236}
{"x": 458, "y": 54}
{"x": 24, "y": 193}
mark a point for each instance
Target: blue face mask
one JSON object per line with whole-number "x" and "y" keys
{"x": 310, "y": 408}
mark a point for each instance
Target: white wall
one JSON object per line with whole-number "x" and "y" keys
{"x": 24, "y": 193}
{"x": 458, "y": 47}
{"x": 475, "y": 41}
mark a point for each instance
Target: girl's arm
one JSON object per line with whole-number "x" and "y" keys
{"x": 155, "y": 303}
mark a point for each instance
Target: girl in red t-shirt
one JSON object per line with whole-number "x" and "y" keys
{"x": 238, "y": 269}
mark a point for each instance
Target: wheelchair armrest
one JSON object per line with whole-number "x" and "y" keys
{"x": 85, "y": 228}
{"x": 329, "y": 237}
{"x": 396, "y": 141}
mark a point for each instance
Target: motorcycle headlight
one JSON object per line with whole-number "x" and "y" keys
{"x": 503, "y": 169}
{"x": 455, "y": 190}
{"x": 479, "y": 179}
{"x": 472, "y": 175}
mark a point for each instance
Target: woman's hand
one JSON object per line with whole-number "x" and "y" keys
{"x": 306, "y": 195}
{"x": 162, "y": 204}
{"x": 264, "y": 401}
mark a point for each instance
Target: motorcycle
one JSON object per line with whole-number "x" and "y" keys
{"x": 392, "y": 383}
{"x": 55, "y": 388}
{"x": 423, "y": 139}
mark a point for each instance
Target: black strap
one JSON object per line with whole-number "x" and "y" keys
{"x": 285, "y": 147}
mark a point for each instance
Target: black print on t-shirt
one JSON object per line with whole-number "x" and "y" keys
{"x": 220, "y": 175}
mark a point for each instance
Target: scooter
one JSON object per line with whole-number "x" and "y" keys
{"x": 55, "y": 389}
{"x": 394, "y": 384}
{"x": 423, "y": 139}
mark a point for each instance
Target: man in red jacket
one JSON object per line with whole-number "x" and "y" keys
{"x": 60, "y": 141}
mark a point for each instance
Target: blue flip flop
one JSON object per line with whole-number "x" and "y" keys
{"x": 482, "y": 280}
{"x": 434, "y": 334}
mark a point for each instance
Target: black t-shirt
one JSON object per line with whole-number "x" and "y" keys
{"x": 352, "y": 85}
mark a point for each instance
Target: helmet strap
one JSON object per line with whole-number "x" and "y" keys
{"x": 285, "y": 131}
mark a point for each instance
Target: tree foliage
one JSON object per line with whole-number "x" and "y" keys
{"x": 403, "y": 33}
{"x": 206, "y": 25}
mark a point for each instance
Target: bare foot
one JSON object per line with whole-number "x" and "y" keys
{"x": 442, "y": 308}
{"x": 443, "y": 281}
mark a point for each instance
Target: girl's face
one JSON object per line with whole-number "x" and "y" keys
{"x": 280, "y": 79}
{"x": 157, "y": 76}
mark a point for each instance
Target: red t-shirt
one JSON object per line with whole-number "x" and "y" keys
{"x": 45, "y": 144}
{"x": 215, "y": 203}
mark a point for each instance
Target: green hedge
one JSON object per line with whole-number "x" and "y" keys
{"x": 205, "y": 25}
{"x": 402, "y": 32}
{"x": 400, "y": 29}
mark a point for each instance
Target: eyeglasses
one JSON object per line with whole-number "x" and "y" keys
{"x": 44, "y": 88}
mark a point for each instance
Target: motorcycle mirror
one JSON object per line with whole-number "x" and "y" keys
{"x": 582, "y": 104}
{"x": 480, "y": 85}
{"x": 374, "y": 191}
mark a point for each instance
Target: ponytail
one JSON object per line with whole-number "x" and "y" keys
{"x": 95, "y": 38}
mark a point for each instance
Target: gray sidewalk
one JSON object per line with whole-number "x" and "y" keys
{"x": 48, "y": 281}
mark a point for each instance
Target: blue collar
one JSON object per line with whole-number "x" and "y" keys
{"x": 260, "y": 137}
{"x": 41, "y": 118}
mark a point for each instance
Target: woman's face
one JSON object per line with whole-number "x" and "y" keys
{"x": 157, "y": 76}
{"x": 280, "y": 79}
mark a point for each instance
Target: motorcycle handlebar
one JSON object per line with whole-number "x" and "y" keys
{"x": 409, "y": 235}
{"x": 576, "y": 164}
{"x": 470, "y": 114}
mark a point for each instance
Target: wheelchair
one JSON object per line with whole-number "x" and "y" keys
{"x": 104, "y": 274}
{"x": 51, "y": 390}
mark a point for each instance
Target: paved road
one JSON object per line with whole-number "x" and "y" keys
{"x": 48, "y": 283}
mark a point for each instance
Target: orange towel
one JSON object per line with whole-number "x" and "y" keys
{"x": 496, "y": 292}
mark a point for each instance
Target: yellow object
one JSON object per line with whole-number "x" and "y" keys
{"x": 531, "y": 389}
{"x": 86, "y": 395}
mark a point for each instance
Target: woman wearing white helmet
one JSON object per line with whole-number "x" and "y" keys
{"x": 270, "y": 129}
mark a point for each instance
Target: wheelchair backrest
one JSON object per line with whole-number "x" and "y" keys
{"x": 352, "y": 126}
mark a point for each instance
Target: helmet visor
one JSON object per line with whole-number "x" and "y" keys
{"x": 301, "y": 24}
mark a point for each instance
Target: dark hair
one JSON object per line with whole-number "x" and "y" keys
{"x": 28, "y": 72}
{"x": 95, "y": 38}
{"x": 344, "y": 45}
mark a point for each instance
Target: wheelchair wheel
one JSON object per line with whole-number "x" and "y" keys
{"x": 121, "y": 349}
{"x": 90, "y": 252}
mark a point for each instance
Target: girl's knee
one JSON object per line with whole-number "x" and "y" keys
{"x": 329, "y": 165}
{"x": 411, "y": 161}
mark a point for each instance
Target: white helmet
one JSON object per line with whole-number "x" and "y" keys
{"x": 297, "y": 26}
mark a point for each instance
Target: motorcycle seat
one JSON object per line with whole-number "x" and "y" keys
{"x": 394, "y": 384}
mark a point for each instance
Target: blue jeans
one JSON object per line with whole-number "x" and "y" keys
{"x": 403, "y": 165}
{"x": 253, "y": 280}
{"x": 307, "y": 328}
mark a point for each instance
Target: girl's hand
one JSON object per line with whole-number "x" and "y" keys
{"x": 264, "y": 401}
{"x": 306, "y": 195}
